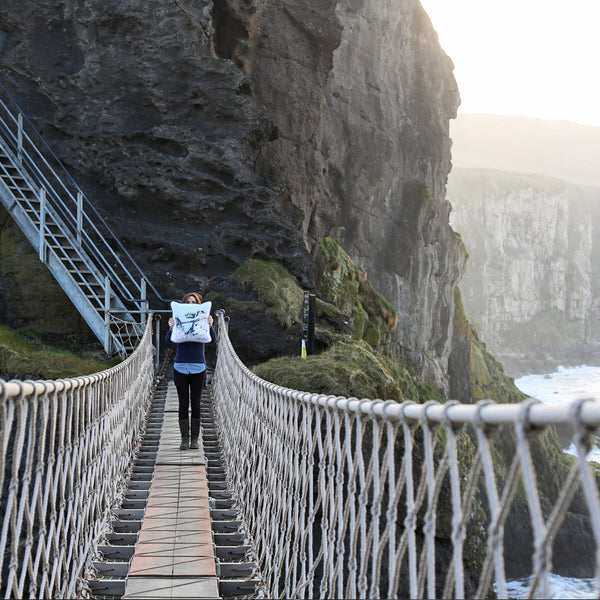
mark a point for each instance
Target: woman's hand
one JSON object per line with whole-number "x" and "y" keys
{"x": 210, "y": 320}
{"x": 171, "y": 322}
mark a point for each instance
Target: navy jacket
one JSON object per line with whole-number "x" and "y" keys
{"x": 191, "y": 352}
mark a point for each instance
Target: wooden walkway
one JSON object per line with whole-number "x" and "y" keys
{"x": 175, "y": 553}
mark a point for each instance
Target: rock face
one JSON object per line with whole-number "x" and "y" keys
{"x": 211, "y": 132}
{"x": 531, "y": 285}
{"x": 366, "y": 151}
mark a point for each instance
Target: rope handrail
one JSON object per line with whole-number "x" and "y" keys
{"x": 65, "y": 452}
{"x": 347, "y": 497}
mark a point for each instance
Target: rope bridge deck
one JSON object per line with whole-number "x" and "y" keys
{"x": 175, "y": 555}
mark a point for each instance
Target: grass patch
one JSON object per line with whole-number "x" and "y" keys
{"x": 21, "y": 356}
{"x": 348, "y": 368}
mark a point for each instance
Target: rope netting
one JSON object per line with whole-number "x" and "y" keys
{"x": 349, "y": 498}
{"x": 65, "y": 452}
{"x": 127, "y": 333}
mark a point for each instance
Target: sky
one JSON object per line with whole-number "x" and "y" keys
{"x": 536, "y": 58}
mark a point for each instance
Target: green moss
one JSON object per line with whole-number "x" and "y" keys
{"x": 27, "y": 356}
{"x": 372, "y": 335}
{"x": 349, "y": 368}
{"x": 347, "y": 287}
{"x": 277, "y": 290}
{"x": 460, "y": 324}
{"x": 360, "y": 322}
{"x": 488, "y": 379}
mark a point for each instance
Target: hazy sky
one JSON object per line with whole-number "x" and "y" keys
{"x": 537, "y": 58}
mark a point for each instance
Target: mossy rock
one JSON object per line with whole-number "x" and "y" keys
{"x": 277, "y": 290}
{"x": 349, "y": 368}
{"x": 347, "y": 286}
{"x": 26, "y": 357}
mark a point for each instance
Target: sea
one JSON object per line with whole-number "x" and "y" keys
{"x": 566, "y": 384}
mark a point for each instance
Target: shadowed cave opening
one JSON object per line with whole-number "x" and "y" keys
{"x": 230, "y": 33}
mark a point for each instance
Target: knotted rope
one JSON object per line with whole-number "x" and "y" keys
{"x": 364, "y": 498}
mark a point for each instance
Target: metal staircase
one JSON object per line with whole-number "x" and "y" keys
{"x": 93, "y": 268}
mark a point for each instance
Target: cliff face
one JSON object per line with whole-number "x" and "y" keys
{"x": 530, "y": 281}
{"x": 211, "y": 132}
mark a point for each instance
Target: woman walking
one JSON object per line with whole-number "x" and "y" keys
{"x": 189, "y": 376}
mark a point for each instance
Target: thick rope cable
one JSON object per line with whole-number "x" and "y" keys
{"x": 65, "y": 451}
{"x": 350, "y": 468}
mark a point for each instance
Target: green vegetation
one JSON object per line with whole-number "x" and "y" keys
{"x": 276, "y": 289}
{"x": 22, "y": 355}
{"x": 488, "y": 379}
{"x": 353, "y": 363}
{"x": 348, "y": 368}
{"x": 348, "y": 287}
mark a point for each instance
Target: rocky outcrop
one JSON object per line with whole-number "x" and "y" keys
{"x": 212, "y": 132}
{"x": 530, "y": 285}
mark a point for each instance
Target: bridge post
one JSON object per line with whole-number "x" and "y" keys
{"x": 308, "y": 324}
{"x": 42, "y": 246}
{"x": 79, "y": 216}
{"x": 144, "y": 302}
{"x": 156, "y": 343}
{"x": 107, "y": 344}
{"x": 20, "y": 139}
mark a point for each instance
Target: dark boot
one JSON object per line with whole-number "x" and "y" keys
{"x": 184, "y": 428}
{"x": 195, "y": 433}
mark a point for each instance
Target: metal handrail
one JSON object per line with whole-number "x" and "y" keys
{"x": 68, "y": 201}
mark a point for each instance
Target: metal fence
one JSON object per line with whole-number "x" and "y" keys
{"x": 65, "y": 452}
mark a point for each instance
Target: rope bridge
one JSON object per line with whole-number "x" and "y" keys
{"x": 342, "y": 497}
{"x": 65, "y": 451}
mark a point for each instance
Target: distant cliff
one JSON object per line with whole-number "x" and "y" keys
{"x": 532, "y": 284}
{"x": 212, "y": 132}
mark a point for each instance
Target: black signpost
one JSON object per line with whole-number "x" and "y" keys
{"x": 308, "y": 324}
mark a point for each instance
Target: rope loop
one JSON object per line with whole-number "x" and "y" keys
{"x": 583, "y": 434}
{"x": 411, "y": 423}
{"x": 479, "y": 421}
{"x": 3, "y": 390}
{"x": 448, "y": 424}
{"x": 366, "y": 402}
{"x": 523, "y": 420}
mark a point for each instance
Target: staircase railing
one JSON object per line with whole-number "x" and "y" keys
{"x": 66, "y": 448}
{"x": 88, "y": 260}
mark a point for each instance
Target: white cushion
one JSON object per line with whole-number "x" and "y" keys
{"x": 191, "y": 322}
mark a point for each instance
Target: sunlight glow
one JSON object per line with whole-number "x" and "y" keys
{"x": 536, "y": 58}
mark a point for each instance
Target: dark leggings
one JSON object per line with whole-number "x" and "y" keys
{"x": 189, "y": 387}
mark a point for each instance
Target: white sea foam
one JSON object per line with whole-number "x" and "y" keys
{"x": 560, "y": 587}
{"x": 566, "y": 384}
